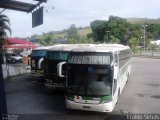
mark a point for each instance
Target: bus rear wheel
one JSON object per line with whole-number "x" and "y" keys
{"x": 118, "y": 95}
{"x": 127, "y": 78}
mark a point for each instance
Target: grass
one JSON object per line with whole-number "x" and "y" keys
{"x": 82, "y": 32}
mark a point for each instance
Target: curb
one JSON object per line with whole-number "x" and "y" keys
{"x": 154, "y": 57}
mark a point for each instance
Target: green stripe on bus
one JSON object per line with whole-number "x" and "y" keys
{"x": 106, "y": 98}
{"x": 93, "y": 98}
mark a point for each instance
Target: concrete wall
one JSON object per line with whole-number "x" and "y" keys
{"x": 14, "y": 69}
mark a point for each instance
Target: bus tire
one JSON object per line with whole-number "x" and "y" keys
{"x": 118, "y": 95}
{"x": 127, "y": 78}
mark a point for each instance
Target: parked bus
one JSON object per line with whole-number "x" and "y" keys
{"x": 96, "y": 76}
{"x": 57, "y": 56}
{"x": 37, "y": 60}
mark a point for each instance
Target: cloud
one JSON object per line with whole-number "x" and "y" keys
{"x": 80, "y": 13}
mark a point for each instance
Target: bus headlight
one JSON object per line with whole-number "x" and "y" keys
{"x": 106, "y": 101}
{"x": 69, "y": 98}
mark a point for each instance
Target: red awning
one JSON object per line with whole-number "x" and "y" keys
{"x": 16, "y": 41}
{"x": 21, "y": 46}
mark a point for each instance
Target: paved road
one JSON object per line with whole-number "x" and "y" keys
{"x": 141, "y": 95}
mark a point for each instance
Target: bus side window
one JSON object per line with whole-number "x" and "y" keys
{"x": 114, "y": 86}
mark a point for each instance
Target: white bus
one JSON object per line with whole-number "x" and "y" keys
{"x": 96, "y": 76}
{"x": 57, "y": 56}
{"x": 37, "y": 60}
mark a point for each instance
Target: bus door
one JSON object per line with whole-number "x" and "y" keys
{"x": 115, "y": 88}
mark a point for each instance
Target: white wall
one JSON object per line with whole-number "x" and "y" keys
{"x": 14, "y": 69}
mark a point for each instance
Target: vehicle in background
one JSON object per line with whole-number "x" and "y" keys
{"x": 37, "y": 60}
{"x": 57, "y": 56}
{"x": 13, "y": 58}
{"x": 96, "y": 76}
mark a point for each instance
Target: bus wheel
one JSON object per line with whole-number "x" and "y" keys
{"x": 127, "y": 78}
{"x": 118, "y": 95}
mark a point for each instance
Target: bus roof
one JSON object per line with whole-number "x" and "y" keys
{"x": 101, "y": 48}
{"x": 85, "y": 47}
{"x": 44, "y": 47}
{"x": 67, "y": 47}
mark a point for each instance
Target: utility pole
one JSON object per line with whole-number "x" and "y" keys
{"x": 107, "y": 34}
{"x": 144, "y": 34}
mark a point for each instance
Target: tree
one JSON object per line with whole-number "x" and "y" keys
{"x": 116, "y": 26}
{"x": 114, "y": 39}
{"x": 133, "y": 43}
{"x": 119, "y": 27}
{"x": 153, "y": 47}
{"x": 4, "y": 26}
{"x": 47, "y": 39}
{"x": 72, "y": 34}
{"x": 153, "y": 31}
{"x": 99, "y": 28}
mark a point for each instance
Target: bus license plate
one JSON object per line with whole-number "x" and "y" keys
{"x": 88, "y": 107}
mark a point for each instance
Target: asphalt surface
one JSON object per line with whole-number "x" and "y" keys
{"x": 28, "y": 98}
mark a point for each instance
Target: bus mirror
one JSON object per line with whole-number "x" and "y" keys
{"x": 40, "y": 62}
{"x": 59, "y": 69}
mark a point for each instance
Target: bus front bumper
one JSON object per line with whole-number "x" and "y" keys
{"x": 49, "y": 84}
{"x": 36, "y": 75}
{"x": 104, "y": 107}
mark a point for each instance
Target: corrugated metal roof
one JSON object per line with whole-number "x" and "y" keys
{"x": 19, "y": 5}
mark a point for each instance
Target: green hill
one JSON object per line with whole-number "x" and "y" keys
{"x": 84, "y": 31}
{"x": 81, "y": 31}
{"x": 143, "y": 20}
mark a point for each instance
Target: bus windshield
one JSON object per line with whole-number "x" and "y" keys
{"x": 90, "y": 58}
{"x": 57, "y": 55}
{"x": 53, "y": 58}
{"x": 89, "y": 79}
{"x": 38, "y": 53}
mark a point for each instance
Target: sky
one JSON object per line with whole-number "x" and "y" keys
{"x": 60, "y": 14}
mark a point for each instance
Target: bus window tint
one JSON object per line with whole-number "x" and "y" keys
{"x": 99, "y": 84}
{"x": 90, "y": 58}
{"x": 57, "y": 55}
{"x": 90, "y": 80}
{"x": 38, "y": 53}
{"x": 77, "y": 78}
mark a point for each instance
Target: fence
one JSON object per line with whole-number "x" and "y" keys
{"x": 148, "y": 53}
